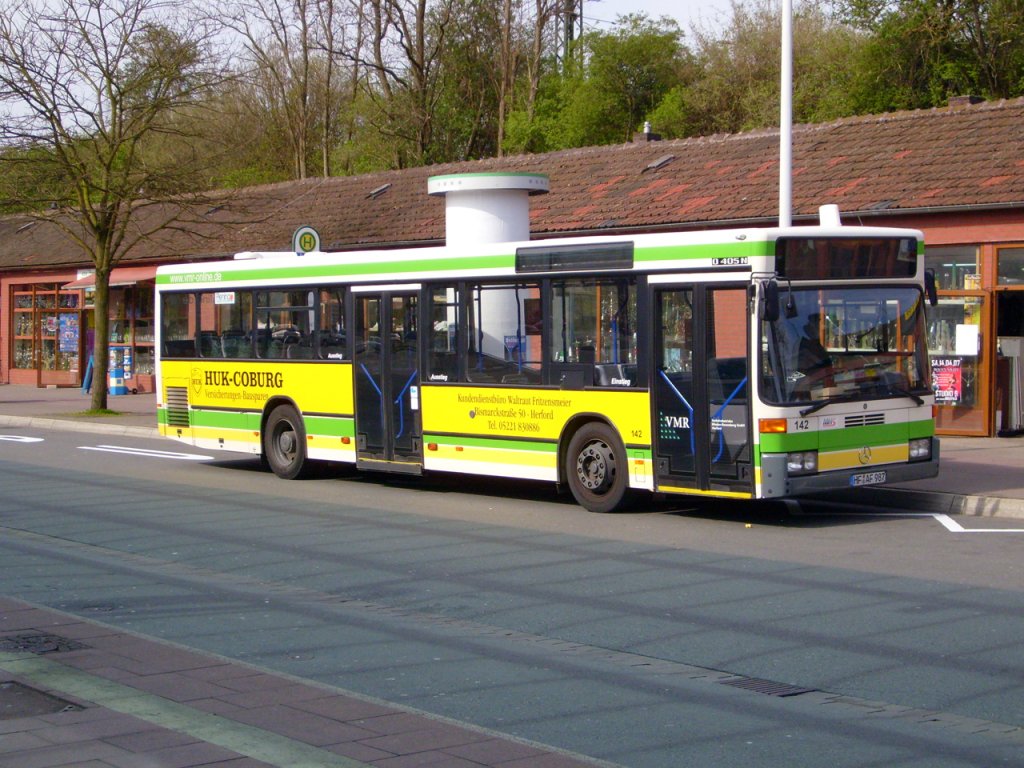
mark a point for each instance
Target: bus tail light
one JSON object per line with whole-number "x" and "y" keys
{"x": 802, "y": 463}
{"x": 772, "y": 426}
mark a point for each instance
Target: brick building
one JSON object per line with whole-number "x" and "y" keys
{"x": 957, "y": 173}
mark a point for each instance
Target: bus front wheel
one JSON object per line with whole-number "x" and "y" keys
{"x": 284, "y": 443}
{"x": 596, "y": 468}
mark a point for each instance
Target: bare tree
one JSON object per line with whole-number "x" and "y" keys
{"x": 278, "y": 39}
{"x": 524, "y": 45}
{"x": 90, "y": 93}
{"x": 407, "y": 39}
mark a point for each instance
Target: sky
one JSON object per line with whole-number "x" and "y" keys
{"x": 712, "y": 13}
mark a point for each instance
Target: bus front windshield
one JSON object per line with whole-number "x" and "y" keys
{"x": 845, "y": 343}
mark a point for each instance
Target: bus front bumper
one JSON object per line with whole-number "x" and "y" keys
{"x": 776, "y": 482}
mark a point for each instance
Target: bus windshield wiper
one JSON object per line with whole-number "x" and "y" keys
{"x": 905, "y": 393}
{"x": 847, "y": 398}
{"x": 850, "y": 396}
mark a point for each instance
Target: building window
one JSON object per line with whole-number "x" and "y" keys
{"x": 47, "y": 328}
{"x": 1010, "y": 266}
{"x": 956, "y": 267}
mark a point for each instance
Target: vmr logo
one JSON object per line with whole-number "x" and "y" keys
{"x": 677, "y": 422}
{"x": 197, "y": 380}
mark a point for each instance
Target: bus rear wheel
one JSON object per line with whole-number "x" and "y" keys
{"x": 284, "y": 443}
{"x": 596, "y": 468}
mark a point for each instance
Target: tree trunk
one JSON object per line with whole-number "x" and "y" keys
{"x": 101, "y": 342}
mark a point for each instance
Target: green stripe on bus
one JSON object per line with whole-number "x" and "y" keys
{"x": 851, "y": 437}
{"x": 223, "y": 419}
{"x": 501, "y": 443}
{"x": 330, "y": 426}
{"x": 744, "y": 249}
{"x": 343, "y": 270}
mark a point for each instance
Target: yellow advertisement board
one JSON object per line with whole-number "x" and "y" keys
{"x": 539, "y": 414}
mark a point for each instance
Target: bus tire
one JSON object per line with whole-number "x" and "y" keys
{"x": 284, "y": 443}
{"x": 596, "y": 468}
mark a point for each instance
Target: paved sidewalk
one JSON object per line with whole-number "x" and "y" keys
{"x": 78, "y": 693}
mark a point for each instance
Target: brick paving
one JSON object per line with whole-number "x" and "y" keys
{"x": 126, "y": 701}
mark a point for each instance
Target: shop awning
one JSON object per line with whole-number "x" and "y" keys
{"x": 118, "y": 276}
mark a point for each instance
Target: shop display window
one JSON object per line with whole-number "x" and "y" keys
{"x": 46, "y": 323}
{"x": 956, "y": 267}
{"x": 954, "y": 338}
{"x": 131, "y": 326}
{"x": 1010, "y": 266}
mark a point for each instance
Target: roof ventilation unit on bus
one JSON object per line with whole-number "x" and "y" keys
{"x": 487, "y": 207}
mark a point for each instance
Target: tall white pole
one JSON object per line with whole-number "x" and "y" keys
{"x": 786, "y": 119}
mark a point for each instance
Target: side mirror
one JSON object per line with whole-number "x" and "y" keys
{"x": 768, "y": 309}
{"x": 930, "y": 288}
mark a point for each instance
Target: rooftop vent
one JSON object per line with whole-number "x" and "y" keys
{"x": 661, "y": 162}
{"x": 882, "y": 205}
{"x": 375, "y": 193}
{"x": 646, "y": 135}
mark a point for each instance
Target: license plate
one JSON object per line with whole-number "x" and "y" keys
{"x": 868, "y": 478}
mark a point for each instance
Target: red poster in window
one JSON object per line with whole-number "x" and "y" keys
{"x": 947, "y": 380}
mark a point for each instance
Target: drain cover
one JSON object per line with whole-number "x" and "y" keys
{"x": 767, "y": 687}
{"x": 37, "y": 643}
{"x": 17, "y": 700}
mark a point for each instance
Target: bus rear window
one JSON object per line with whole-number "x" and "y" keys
{"x": 822, "y": 258}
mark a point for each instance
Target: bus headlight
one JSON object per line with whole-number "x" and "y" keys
{"x": 921, "y": 449}
{"x": 802, "y": 463}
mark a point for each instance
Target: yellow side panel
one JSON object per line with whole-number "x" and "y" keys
{"x": 247, "y": 385}
{"x": 537, "y": 414}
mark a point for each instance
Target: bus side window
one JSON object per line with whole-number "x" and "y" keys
{"x": 208, "y": 338}
{"x": 443, "y": 306}
{"x": 178, "y": 325}
{"x": 502, "y": 344}
{"x": 283, "y": 319}
{"x": 592, "y": 328}
{"x": 331, "y": 341}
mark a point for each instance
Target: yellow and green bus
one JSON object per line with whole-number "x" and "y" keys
{"x": 748, "y": 363}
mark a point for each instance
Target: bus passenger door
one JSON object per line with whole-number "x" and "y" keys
{"x": 701, "y": 401}
{"x": 386, "y": 371}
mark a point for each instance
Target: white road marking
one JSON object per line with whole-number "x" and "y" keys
{"x": 21, "y": 439}
{"x": 954, "y": 527}
{"x": 146, "y": 453}
{"x": 947, "y": 522}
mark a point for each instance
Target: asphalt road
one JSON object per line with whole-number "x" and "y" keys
{"x": 713, "y": 634}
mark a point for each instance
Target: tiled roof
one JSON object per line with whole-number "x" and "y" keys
{"x": 957, "y": 157}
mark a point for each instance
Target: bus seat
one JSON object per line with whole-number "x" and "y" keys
{"x": 209, "y": 344}
{"x": 180, "y": 348}
{"x": 615, "y": 375}
{"x": 298, "y": 351}
{"x": 235, "y": 344}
